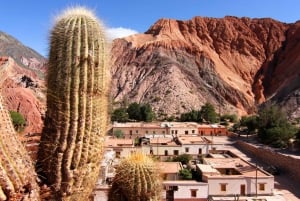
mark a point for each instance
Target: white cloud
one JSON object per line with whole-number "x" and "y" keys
{"x": 120, "y": 32}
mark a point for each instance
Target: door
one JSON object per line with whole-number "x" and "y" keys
{"x": 243, "y": 189}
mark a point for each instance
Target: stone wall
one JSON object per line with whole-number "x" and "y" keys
{"x": 286, "y": 164}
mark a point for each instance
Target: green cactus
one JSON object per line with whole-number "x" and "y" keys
{"x": 17, "y": 176}
{"x": 137, "y": 178}
{"x": 77, "y": 103}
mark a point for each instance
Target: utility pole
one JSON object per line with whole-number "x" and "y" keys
{"x": 256, "y": 179}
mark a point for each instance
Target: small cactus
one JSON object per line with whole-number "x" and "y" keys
{"x": 137, "y": 178}
{"x": 17, "y": 176}
{"x": 77, "y": 103}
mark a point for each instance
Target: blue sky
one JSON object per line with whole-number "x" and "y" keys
{"x": 30, "y": 21}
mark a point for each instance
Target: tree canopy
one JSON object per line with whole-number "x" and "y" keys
{"x": 120, "y": 115}
{"x": 274, "y": 127}
{"x": 134, "y": 111}
{"x": 207, "y": 113}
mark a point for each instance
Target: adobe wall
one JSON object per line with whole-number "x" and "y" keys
{"x": 286, "y": 164}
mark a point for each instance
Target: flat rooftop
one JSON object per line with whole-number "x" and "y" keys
{"x": 116, "y": 142}
{"x": 162, "y": 141}
{"x": 183, "y": 139}
{"x": 170, "y": 167}
{"x": 221, "y": 166}
{"x": 164, "y": 125}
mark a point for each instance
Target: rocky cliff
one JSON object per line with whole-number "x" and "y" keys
{"x": 234, "y": 63}
{"x": 22, "y": 86}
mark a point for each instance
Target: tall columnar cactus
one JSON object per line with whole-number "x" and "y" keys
{"x": 17, "y": 176}
{"x": 77, "y": 104}
{"x": 137, "y": 178}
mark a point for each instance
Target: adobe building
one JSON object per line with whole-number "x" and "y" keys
{"x": 228, "y": 175}
{"x": 121, "y": 147}
{"x": 212, "y": 130}
{"x": 179, "y": 190}
{"x": 167, "y": 129}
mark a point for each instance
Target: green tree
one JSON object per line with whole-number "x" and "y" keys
{"x": 120, "y": 115}
{"x": 183, "y": 158}
{"x": 18, "y": 120}
{"x": 208, "y": 113}
{"x": 134, "y": 111}
{"x": 140, "y": 112}
{"x": 274, "y": 127}
{"x": 185, "y": 174}
{"x": 250, "y": 122}
{"x": 192, "y": 116}
{"x": 146, "y": 113}
{"x": 229, "y": 117}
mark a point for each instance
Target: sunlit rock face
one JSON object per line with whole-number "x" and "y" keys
{"x": 233, "y": 63}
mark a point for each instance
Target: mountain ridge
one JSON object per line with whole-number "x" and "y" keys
{"x": 22, "y": 83}
{"x": 228, "y": 61}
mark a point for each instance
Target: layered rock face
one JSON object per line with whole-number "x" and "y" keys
{"x": 22, "y": 86}
{"x": 233, "y": 63}
{"x": 23, "y": 92}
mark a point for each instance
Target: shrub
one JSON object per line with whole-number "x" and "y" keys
{"x": 18, "y": 120}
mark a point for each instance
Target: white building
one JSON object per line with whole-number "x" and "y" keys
{"x": 227, "y": 175}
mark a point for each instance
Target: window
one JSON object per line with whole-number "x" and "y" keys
{"x": 136, "y": 131}
{"x": 130, "y": 132}
{"x": 146, "y": 132}
{"x": 223, "y": 187}
{"x": 172, "y": 131}
{"x": 200, "y": 151}
{"x": 166, "y": 152}
{"x": 153, "y": 132}
{"x": 193, "y": 131}
{"x": 163, "y": 132}
{"x": 186, "y": 132}
{"x": 176, "y": 152}
{"x": 175, "y": 131}
{"x": 261, "y": 187}
{"x": 193, "y": 193}
{"x": 187, "y": 149}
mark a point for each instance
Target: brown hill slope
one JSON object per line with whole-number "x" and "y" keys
{"x": 234, "y": 63}
{"x": 23, "y": 91}
{"x": 22, "y": 73}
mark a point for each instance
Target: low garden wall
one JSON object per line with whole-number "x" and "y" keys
{"x": 287, "y": 164}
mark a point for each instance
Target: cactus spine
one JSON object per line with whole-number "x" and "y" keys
{"x": 137, "y": 178}
{"x": 77, "y": 101}
{"x": 17, "y": 176}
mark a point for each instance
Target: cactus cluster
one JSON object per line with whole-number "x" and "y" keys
{"x": 137, "y": 178}
{"x": 17, "y": 175}
{"x": 77, "y": 103}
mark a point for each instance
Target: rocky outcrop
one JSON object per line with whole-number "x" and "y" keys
{"x": 234, "y": 63}
{"x": 22, "y": 72}
{"x": 23, "y": 92}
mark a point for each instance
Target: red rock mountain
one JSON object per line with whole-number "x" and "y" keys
{"x": 234, "y": 63}
{"x": 22, "y": 81}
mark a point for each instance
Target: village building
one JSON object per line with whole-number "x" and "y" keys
{"x": 167, "y": 129}
{"x": 228, "y": 175}
{"x": 121, "y": 147}
{"x": 176, "y": 189}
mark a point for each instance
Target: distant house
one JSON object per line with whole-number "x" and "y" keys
{"x": 228, "y": 175}
{"x": 179, "y": 190}
{"x": 163, "y": 148}
{"x": 165, "y": 129}
{"x": 122, "y": 147}
{"x": 212, "y": 130}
